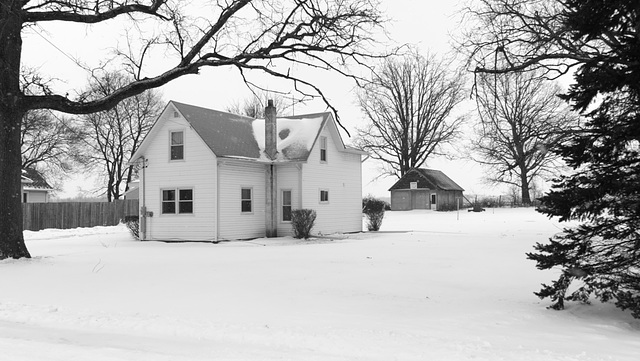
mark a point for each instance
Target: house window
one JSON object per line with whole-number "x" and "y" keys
{"x": 246, "y": 201}
{"x": 324, "y": 196}
{"x": 183, "y": 203}
{"x": 323, "y": 149}
{"x": 286, "y": 206}
{"x": 177, "y": 145}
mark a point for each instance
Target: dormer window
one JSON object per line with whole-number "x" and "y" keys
{"x": 323, "y": 149}
{"x": 177, "y": 145}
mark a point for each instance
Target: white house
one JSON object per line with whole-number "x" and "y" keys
{"x": 208, "y": 175}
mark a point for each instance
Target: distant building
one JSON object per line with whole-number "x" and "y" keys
{"x": 423, "y": 188}
{"x": 35, "y": 188}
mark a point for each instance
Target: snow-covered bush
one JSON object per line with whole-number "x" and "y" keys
{"x": 302, "y": 221}
{"x": 373, "y": 208}
{"x": 133, "y": 224}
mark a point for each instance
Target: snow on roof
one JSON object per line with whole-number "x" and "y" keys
{"x": 295, "y": 136}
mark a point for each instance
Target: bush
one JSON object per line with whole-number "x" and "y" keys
{"x": 374, "y": 209}
{"x": 133, "y": 224}
{"x": 302, "y": 221}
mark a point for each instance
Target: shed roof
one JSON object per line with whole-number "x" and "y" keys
{"x": 426, "y": 178}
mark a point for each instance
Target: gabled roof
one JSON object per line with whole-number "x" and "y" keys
{"x": 236, "y": 136}
{"x": 426, "y": 178}
{"x": 33, "y": 179}
{"x": 225, "y": 133}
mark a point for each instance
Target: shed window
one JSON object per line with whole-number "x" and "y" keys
{"x": 246, "y": 201}
{"x": 177, "y": 145}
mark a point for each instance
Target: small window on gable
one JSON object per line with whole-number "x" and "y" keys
{"x": 286, "y": 206}
{"x": 323, "y": 149}
{"x": 246, "y": 202}
{"x": 324, "y": 196}
{"x": 177, "y": 145}
{"x": 176, "y": 114}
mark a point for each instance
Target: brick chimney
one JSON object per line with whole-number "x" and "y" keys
{"x": 270, "y": 131}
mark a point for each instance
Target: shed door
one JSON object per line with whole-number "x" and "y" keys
{"x": 420, "y": 199}
{"x": 400, "y": 200}
{"x": 434, "y": 199}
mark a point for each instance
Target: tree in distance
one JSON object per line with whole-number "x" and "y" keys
{"x": 409, "y": 104}
{"x": 521, "y": 119}
{"x": 108, "y": 139}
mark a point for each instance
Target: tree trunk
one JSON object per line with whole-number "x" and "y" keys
{"x": 11, "y": 113}
{"x": 524, "y": 182}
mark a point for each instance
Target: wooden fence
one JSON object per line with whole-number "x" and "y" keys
{"x": 65, "y": 215}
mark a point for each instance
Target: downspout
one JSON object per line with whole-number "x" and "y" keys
{"x": 299, "y": 166}
{"x": 217, "y": 218}
{"x": 143, "y": 207}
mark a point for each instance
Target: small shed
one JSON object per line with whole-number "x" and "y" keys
{"x": 421, "y": 188}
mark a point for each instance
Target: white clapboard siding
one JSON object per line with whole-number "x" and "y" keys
{"x": 341, "y": 175}
{"x": 233, "y": 176}
{"x": 197, "y": 171}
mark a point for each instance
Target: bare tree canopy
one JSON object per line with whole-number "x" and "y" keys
{"x": 46, "y": 140}
{"x": 110, "y": 138}
{"x": 244, "y": 34}
{"x": 526, "y": 34}
{"x": 521, "y": 120}
{"x": 254, "y": 106}
{"x": 408, "y": 104}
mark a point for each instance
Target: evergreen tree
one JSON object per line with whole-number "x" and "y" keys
{"x": 604, "y": 189}
{"x": 599, "y": 41}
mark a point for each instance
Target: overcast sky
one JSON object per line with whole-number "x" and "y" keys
{"x": 426, "y": 24}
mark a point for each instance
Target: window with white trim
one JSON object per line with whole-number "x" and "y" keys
{"x": 286, "y": 205}
{"x": 177, "y": 201}
{"x": 177, "y": 145}
{"x": 246, "y": 200}
{"x": 323, "y": 149}
{"x": 324, "y": 196}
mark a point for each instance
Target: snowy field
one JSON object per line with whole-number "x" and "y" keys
{"x": 427, "y": 287}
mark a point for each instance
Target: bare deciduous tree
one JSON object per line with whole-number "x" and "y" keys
{"x": 109, "y": 138}
{"x": 250, "y": 36}
{"x": 408, "y": 104}
{"x": 521, "y": 120}
{"x": 46, "y": 140}
{"x": 254, "y": 106}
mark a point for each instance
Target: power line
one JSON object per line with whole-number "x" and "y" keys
{"x": 74, "y": 60}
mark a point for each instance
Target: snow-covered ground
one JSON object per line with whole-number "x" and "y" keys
{"x": 429, "y": 286}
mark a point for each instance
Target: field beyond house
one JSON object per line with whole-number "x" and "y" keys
{"x": 429, "y": 286}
